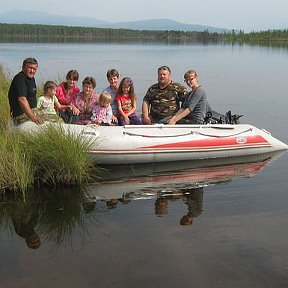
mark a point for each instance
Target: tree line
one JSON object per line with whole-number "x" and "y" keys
{"x": 57, "y": 33}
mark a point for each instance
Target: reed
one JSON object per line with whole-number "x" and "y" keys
{"x": 4, "y": 103}
{"x": 59, "y": 157}
{"x": 16, "y": 167}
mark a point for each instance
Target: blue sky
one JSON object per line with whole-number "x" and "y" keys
{"x": 247, "y": 15}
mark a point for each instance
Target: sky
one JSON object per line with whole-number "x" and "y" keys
{"x": 247, "y": 15}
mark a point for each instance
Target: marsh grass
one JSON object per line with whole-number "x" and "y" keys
{"x": 16, "y": 167}
{"x": 4, "y": 103}
{"x": 59, "y": 157}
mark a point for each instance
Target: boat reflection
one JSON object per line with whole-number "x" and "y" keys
{"x": 63, "y": 215}
{"x": 162, "y": 180}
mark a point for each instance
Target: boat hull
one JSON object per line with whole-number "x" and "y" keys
{"x": 168, "y": 143}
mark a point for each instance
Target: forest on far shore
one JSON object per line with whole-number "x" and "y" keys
{"x": 54, "y": 33}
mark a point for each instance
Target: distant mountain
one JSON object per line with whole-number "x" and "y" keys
{"x": 164, "y": 24}
{"x": 36, "y": 17}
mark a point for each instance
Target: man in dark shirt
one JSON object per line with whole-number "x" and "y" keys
{"x": 162, "y": 99}
{"x": 22, "y": 94}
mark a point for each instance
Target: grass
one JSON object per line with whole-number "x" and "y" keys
{"x": 50, "y": 157}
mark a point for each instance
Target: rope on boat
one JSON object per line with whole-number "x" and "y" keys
{"x": 223, "y": 136}
{"x": 157, "y": 136}
{"x": 185, "y": 134}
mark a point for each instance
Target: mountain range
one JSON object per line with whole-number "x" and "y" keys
{"x": 37, "y": 17}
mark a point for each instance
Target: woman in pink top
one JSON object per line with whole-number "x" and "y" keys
{"x": 66, "y": 93}
{"x": 84, "y": 102}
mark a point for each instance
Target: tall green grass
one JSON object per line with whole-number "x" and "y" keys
{"x": 50, "y": 157}
{"x": 58, "y": 156}
{"x": 4, "y": 104}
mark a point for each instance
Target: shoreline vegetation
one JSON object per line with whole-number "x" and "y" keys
{"x": 55, "y": 33}
{"x": 49, "y": 158}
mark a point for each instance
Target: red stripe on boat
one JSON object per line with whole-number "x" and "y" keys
{"x": 213, "y": 142}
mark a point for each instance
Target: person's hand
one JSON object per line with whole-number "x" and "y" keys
{"x": 38, "y": 120}
{"x": 75, "y": 110}
{"x": 114, "y": 119}
{"x": 127, "y": 120}
{"x": 172, "y": 121}
{"x": 146, "y": 120}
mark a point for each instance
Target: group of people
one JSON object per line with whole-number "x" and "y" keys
{"x": 165, "y": 102}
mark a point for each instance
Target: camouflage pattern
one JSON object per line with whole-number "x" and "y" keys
{"x": 164, "y": 102}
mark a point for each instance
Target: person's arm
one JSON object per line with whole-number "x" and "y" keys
{"x": 145, "y": 113}
{"x": 121, "y": 112}
{"x": 24, "y": 104}
{"x": 180, "y": 114}
{"x": 134, "y": 104}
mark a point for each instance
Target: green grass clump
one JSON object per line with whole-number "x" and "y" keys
{"x": 4, "y": 103}
{"x": 58, "y": 156}
{"x": 16, "y": 167}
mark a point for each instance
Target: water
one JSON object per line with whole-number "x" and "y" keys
{"x": 239, "y": 235}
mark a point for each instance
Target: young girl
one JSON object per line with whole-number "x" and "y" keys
{"x": 102, "y": 112}
{"x": 49, "y": 101}
{"x": 126, "y": 103}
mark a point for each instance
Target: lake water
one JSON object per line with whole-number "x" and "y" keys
{"x": 239, "y": 233}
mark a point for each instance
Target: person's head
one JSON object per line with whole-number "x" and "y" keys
{"x": 126, "y": 87}
{"x": 164, "y": 76}
{"x": 33, "y": 241}
{"x": 88, "y": 85}
{"x": 29, "y": 67}
{"x": 49, "y": 88}
{"x": 161, "y": 206}
{"x": 190, "y": 77}
{"x": 105, "y": 99}
{"x": 113, "y": 78}
{"x": 186, "y": 220}
{"x": 112, "y": 203}
{"x": 72, "y": 78}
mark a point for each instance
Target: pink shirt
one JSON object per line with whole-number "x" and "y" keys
{"x": 63, "y": 97}
{"x": 101, "y": 113}
{"x": 85, "y": 108}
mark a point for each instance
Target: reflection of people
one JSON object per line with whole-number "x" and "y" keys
{"x": 25, "y": 220}
{"x": 66, "y": 93}
{"x": 162, "y": 100}
{"x": 126, "y": 103}
{"x": 22, "y": 94}
{"x": 195, "y": 106}
{"x": 161, "y": 206}
{"x": 85, "y": 101}
{"x": 194, "y": 201}
{"x": 113, "y": 79}
{"x": 112, "y": 203}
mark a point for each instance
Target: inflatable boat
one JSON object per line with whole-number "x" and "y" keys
{"x": 158, "y": 143}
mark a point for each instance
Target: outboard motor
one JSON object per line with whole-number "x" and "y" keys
{"x": 213, "y": 117}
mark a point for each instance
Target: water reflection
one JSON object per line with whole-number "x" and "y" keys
{"x": 63, "y": 215}
{"x": 192, "y": 198}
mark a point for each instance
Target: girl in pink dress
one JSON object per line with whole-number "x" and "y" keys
{"x": 102, "y": 112}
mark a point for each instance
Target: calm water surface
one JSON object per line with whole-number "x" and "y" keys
{"x": 127, "y": 232}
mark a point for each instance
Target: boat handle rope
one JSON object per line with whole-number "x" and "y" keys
{"x": 157, "y": 136}
{"x": 185, "y": 134}
{"x": 217, "y": 136}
